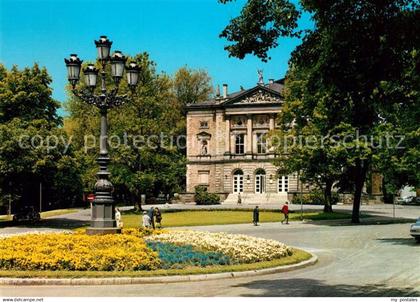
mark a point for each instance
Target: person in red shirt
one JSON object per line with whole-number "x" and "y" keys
{"x": 285, "y": 211}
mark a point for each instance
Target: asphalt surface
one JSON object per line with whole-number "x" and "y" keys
{"x": 355, "y": 260}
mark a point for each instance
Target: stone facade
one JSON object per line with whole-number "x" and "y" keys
{"x": 227, "y": 148}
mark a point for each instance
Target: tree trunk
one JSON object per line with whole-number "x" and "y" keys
{"x": 360, "y": 177}
{"x": 137, "y": 202}
{"x": 328, "y": 197}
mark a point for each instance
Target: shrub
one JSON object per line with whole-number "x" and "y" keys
{"x": 315, "y": 197}
{"x": 202, "y": 197}
{"x": 239, "y": 248}
{"x": 76, "y": 252}
{"x": 173, "y": 256}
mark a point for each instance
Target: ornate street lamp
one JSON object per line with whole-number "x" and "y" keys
{"x": 103, "y": 216}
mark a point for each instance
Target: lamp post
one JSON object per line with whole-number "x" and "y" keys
{"x": 103, "y": 216}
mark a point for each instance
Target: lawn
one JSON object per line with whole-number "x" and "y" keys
{"x": 193, "y": 218}
{"x": 6, "y": 220}
{"x": 45, "y": 214}
{"x": 58, "y": 212}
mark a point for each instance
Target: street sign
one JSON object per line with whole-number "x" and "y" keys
{"x": 91, "y": 197}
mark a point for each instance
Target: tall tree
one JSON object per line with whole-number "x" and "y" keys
{"x": 33, "y": 148}
{"x": 142, "y": 134}
{"x": 356, "y": 58}
{"x": 26, "y": 94}
{"x": 192, "y": 86}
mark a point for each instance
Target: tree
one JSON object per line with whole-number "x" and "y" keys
{"x": 147, "y": 159}
{"x": 192, "y": 86}
{"x": 33, "y": 148}
{"x": 26, "y": 95}
{"x": 355, "y": 60}
{"x": 305, "y": 141}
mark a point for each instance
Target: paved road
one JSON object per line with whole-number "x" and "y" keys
{"x": 362, "y": 260}
{"x": 81, "y": 218}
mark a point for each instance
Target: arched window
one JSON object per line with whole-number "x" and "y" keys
{"x": 238, "y": 181}
{"x": 283, "y": 182}
{"x": 260, "y": 180}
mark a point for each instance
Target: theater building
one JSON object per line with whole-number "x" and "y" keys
{"x": 227, "y": 148}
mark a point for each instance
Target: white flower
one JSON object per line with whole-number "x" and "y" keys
{"x": 240, "y": 248}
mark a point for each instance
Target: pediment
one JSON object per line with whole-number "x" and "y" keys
{"x": 203, "y": 135}
{"x": 257, "y": 95}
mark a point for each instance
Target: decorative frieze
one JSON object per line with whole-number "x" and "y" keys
{"x": 239, "y": 122}
{"x": 260, "y": 97}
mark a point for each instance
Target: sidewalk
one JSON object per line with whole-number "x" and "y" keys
{"x": 381, "y": 214}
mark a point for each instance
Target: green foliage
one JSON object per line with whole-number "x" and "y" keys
{"x": 26, "y": 94}
{"x": 33, "y": 148}
{"x": 315, "y": 197}
{"x": 357, "y": 71}
{"x": 192, "y": 86}
{"x": 259, "y": 25}
{"x": 143, "y": 133}
{"x": 202, "y": 197}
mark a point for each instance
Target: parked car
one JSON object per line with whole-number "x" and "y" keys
{"x": 27, "y": 214}
{"x": 415, "y": 230}
{"x": 407, "y": 200}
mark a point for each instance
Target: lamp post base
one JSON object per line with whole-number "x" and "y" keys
{"x": 102, "y": 231}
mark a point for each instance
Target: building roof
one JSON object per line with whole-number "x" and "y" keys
{"x": 244, "y": 97}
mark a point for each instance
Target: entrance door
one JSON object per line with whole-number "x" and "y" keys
{"x": 260, "y": 182}
{"x": 238, "y": 182}
{"x": 283, "y": 184}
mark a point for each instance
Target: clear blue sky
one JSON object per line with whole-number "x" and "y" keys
{"x": 175, "y": 33}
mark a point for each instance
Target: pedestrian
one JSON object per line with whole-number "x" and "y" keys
{"x": 151, "y": 213}
{"x": 118, "y": 218}
{"x": 146, "y": 220}
{"x": 256, "y": 216}
{"x": 239, "y": 198}
{"x": 158, "y": 216}
{"x": 285, "y": 211}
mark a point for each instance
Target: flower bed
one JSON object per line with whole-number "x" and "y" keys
{"x": 134, "y": 250}
{"x": 173, "y": 256}
{"x": 76, "y": 252}
{"x": 239, "y": 248}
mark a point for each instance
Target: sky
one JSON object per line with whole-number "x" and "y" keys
{"x": 175, "y": 33}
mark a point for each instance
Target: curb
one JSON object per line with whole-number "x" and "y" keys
{"x": 161, "y": 279}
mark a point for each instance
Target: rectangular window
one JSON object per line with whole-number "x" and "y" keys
{"x": 261, "y": 143}
{"x": 204, "y": 124}
{"x": 240, "y": 144}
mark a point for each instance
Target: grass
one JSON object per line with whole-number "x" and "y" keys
{"x": 45, "y": 214}
{"x": 6, "y": 221}
{"x": 5, "y": 218}
{"x": 57, "y": 212}
{"x": 194, "y": 218}
{"x": 298, "y": 256}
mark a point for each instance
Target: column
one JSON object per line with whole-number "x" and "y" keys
{"x": 232, "y": 143}
{"x": 271, "y": 122}
{"x": 271, "y": 127}
{"x": 249, "y": 135}
{"x": 227, "y": 135}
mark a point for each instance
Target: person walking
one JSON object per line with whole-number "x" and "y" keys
{"x": 146, "y": 220}
{"x": 158, "y": 216}
{"x": 256, "y": 216}
{"x": 285, "y": 211}
{"x": 151, "y": 214}
{"x": 239, "y": 198}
